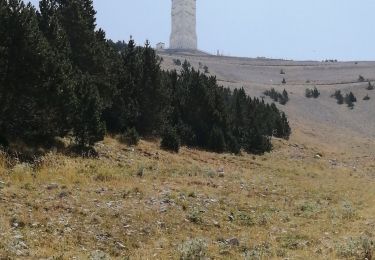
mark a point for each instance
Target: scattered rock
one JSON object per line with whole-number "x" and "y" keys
{"x": 318, "y": 156}
{"x": 18, "y": 246}
{"x": 16, "y": 223}
{"x": 233, "y": 241}
{"x": 216, "y": 224}
{"x": 120, "y": 246}
{"x": 63, "y": 194}
{"x": 52, "y": 186}
{"x": 221, "y": 172}
{"x": 161, "y": 224}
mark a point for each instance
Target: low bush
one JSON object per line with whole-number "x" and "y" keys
{"x": 339, "y": 97}
{"x": 282, "y": 98}
{"x": 361, "y": 78}
{"x": 312, "y": 93}
{"x": 193, "y": 249}
{"x": 177, "y": 62}
{"x": 350, "y": 99}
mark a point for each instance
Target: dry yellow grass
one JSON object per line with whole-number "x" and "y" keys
{"x": 149, "y": 204}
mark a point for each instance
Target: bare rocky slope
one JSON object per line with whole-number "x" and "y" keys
{"x": 321, "y": 121}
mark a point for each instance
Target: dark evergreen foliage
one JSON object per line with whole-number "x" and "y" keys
{"x": 282, "y": 98}
{"x": 350, "y": 99}
{"x": 130, "y": 137}
{"x": 60, "y": 76}
{"x": 170, "y": 140}
{"x": 339, "y": 97}
{"x": 370, "y": 86}
{"x": 366, "y": 98}
{"x": 312, "y": 93}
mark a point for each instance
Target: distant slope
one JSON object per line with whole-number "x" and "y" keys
{"x": 321, "y": 121}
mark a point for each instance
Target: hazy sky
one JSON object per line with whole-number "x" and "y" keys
{"x": 291, "y": 29}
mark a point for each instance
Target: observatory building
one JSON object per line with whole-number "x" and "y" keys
{"x": 184, "y": 21}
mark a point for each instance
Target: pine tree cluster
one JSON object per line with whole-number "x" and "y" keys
{"x": 282, "y": 98}
{"x": 312, "y": 93}
{"x": 60, "y": 76}
{"x": 348, "y": 99}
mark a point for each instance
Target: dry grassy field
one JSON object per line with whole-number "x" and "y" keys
{"x": 297, "y": 202}
{"x": 312, "y": 197}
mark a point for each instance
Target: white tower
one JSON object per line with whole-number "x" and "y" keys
{"x": 184, "y": 21}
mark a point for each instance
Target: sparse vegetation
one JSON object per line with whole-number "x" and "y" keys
{"x": 282, "y": 98}
{"x": 177, "y": 62}
{"x": 350, "y": 99}
{"x": 282, "y": 72}
{"x": 339, "y": 97}
{"x": 361, "y": 78}
{"x": 312, "y": 93}
{"x": 366, "y": 98}
{"x": 133, "y": 197}
{"x": 194, "y": 249}
{"x": 358, "y": 248}
{"x": 370, "y": 86}
{"x": 283, "y": 81}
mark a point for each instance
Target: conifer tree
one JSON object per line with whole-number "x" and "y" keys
{"x": 87, "y": 124}
{"x": 36, "y": 85}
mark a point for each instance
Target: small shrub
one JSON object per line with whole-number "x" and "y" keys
{"x": 186, "y": 64}
{"x": 357, "y": 248}
{"x": 195, "y": 216}
{"x": 282, "y": 98}
{"x": 348, "y": 212}
{"x": 282, "y": 72}
{"x": 339, "y": 97}
{"x": 284, "y": 81}
{"x": 366, "y": 98}
{"x": 370, "y": 86}
{"x": 170, "y": 140}
{"x": 293, "y": 242}
{"x": 261, "y": 251}
{"x": 194, "y": 249}
{"x": 177, "y": 62}
{"x": 312, "y": 93}
{"x": 130, "y": 137}
{"x": 350, "y": 99}
{"x": 361, "y": 78}
{"x": 245, "y": 219}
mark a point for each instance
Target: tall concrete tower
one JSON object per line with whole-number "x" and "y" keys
{"x": 184, "y": 22}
